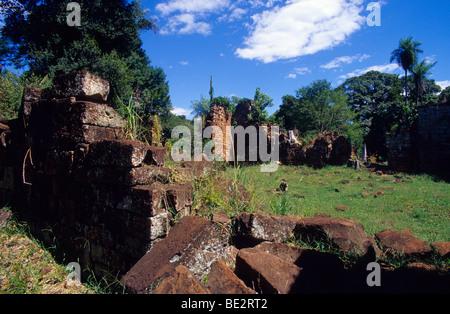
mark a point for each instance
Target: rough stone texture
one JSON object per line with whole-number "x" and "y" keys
{"x": 179, "y": 198}
{"x": 119, "y": 153}
{"x": 222, "y": 280}
{"x": 65, "y": 166}
{"x": 182, "y": 281}
{"x": 344, "y": 234}
{"x": 321, "y": 272}
{"x": 193, "y": 242}
{"x": 402, "y": 242}
{"x": 30, "y": 95}
{"x": 64, "y": 123}
{"x": 146, "y": 175}
{"x": 258, "y": 227}
{"x": 5, "y": 216}
{"x": 266, "y": 273}
{"x": 328, "y": 149}
{"x": 442, "y": 248}
{"x": 218, "y": 117}
{"x": 81, "y": 84}
{"x": 424, "y": 147}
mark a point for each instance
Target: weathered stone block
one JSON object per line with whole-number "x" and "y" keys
{"x": 402, "y": 242}
{"x": 193, "y": 242}
{"x": 322, "y": 272}
{"x": 123, "y": 176}
{"x": 82, "y": 85}
{"x": 5, "y": 216}
{"x": 30, "y": 95}
{"x": 442, "y": 248}
{"x": 182, "y": 281}
{"x": 123, "y": 153}
{"x": 147, "y": 201}
{"x": 344, "y": 234}
{"x": 53, "y": 162}
{"x": 179, "y": 198}
{"x": 256, "y": 227}
{"x": 95, "y": 114}
{"x": 222, "y": 280}
{"x": 267, "y": 274}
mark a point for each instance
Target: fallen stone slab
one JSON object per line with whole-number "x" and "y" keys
{"x": 182, "y": 281}
{"x": 321, "y": 272}
{"x": 266, "y": 273}
{"x": 193, "y": 242}
{"x": 344, "y": 234}
{"x": 402, "y": 242}
{"x": 222, "y": 280}
{"x": 253, "y": 228}
{"x": 442, "y": 248}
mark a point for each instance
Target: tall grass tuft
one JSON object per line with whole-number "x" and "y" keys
{"x": 135, "y": 128}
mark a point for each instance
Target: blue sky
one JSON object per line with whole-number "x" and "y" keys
{"x": 282, "y": 45}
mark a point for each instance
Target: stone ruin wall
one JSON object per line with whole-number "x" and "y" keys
{"x": 219, "y": 117}
{"x": 68, "y": 170}
{"x": 426, "y": 146}
{"x": 328, "y": 148}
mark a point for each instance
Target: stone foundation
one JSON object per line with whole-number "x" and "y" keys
{"x": 68, "y": 170}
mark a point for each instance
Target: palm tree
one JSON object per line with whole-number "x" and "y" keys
{"x": 406, "y": 56}
{"x": 420, "y": 71}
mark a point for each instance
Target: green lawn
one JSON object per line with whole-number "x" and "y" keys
{"x": 398, "y": 202}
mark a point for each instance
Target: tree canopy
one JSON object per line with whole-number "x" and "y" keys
{"x": 36, "y": 37}
{"x": 316, "y": 107}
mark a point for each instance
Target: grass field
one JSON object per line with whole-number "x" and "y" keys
{"x": 402, "y": 201}
{"x": 418, "y": 203}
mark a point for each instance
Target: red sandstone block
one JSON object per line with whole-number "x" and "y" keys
{"x": 156, "y": 156}
{"x": 123, "y": 153}
{"x": 123, "y": 176}
{"x": 53, "y": 162}
{"x": 147, "y": 201}
{"x": 81, "y": 84}
{"x": 179, "y": 198}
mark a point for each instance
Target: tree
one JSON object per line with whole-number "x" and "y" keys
{"x": 261, "y": 102}
{"x": 201, "y": 107}
{"x": 11, "y": 91}
{"x": 420, "y": 71}
{"x": 406, "y": 56}
{"x": 211, "y": 89}
{"x": 107, "y": 43}
{"x": 445, "y": 95}
{"x": 377, "y": 102}
{"x": 316, "y": 108}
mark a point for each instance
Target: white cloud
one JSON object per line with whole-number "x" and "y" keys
{"x": 339, "y": 61}
{"x": 184, "y": 63}
{"x": 186, "y": 24}
{"x": 183, "y": 15}
{"x": 236, "y": 14}
{"x": 301, "y": 27}
{"x": 299, "y": 71}
{"x": 181, "y": 112}
{"x": 443, "y": 84}
{"x": 386, "y": 68}
{"x": 191, "y": 6}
